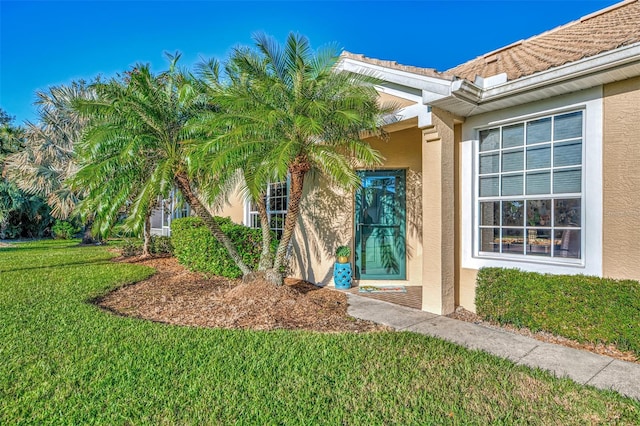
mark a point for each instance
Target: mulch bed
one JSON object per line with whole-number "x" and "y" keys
{"x": 175, "y": 295}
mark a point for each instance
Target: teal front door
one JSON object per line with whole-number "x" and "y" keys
{"x": 380, "y": 226}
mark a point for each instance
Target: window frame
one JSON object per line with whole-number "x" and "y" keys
{"x": 252, "y": 218}
{"x": 530, "y": 257}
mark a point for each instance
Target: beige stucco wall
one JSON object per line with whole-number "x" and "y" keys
{"x": 465, "y": 278}
{"x": 327, "y": 214}
{"x": 621, "y": 180}
{"x": 467, "y": 288}
{"x": 394, "y": 101}
{"x": 438, "y": 193}
{"x": 233, "y": 208}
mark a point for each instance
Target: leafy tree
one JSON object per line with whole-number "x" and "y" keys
{"x": 290, "y": 111}
{"x": 46, "y": 162}
{"x": 137, "y": 148}
{"x": 11, "y": 137}
{"x": 21, "y": 214}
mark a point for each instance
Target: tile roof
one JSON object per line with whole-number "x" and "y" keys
{"x": 601, "y": 31}
{"x": 607, "y": 29}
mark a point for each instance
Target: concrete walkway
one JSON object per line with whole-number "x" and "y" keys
{"x": 582, "y": 366}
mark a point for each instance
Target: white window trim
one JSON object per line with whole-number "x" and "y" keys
{"x": 247, "y": 207}
{"x": 591, "y": 263}
{"x": 552, "y": 196}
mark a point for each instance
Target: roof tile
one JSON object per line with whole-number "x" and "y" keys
{"x": 602, "y": 31}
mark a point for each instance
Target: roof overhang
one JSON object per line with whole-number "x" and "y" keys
{"x": 467, "y": 99}
{"x": 464, "y": 98}
{"x": 405, "y": 85}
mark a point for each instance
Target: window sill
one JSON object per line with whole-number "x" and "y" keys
{"x": 535, "y": 260}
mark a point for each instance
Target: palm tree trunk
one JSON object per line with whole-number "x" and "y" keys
{"x": 266, "y": 258}
{"x": 87, "y": 237}
{"x": 297, "y": 174}
{"x": 146, "y": 245}
{"x": 182, "y": 181}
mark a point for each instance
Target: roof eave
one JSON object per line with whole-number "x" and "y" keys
{"x": 467, "y": 99}
{"x": 395, "y": 76}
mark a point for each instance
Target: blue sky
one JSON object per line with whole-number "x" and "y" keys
{"x": 44, "y": 43}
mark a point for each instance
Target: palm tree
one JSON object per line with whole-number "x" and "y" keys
{"x": 11, "y": 137}
{"x": 21, "y": 214}
{"x": 288, "y": 112}
{"x": 137, "y": 147}
{"x": 46, "y": 162}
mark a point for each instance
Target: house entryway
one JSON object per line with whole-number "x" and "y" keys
{"x": 380, "y": 244}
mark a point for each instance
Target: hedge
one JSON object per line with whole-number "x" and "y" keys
{"x": 133, "y": 246}
{"x": 198, "y": 250}
{"x": 579, "y": 307}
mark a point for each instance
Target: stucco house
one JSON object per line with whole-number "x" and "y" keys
{"x": 525, "y": 157}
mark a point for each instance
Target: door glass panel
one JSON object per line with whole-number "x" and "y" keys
{"x": 380, "y": 226}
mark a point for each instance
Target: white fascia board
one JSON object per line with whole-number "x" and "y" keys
{"x": 422, "y": 112}
{"x": 400, "y": 77}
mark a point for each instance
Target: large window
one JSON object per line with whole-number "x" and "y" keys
{"x": 529, "y": 188}
{"x": 276, "y": 202}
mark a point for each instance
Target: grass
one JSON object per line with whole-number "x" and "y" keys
{"x": 583, "y": 308}
{"x": 64, "y": 361}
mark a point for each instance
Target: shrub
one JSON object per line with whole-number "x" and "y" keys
{"x": 579, "y": 307}
{"x": 131, "y": 247}
{"x": 161, "y": 245}
{"x": 64, "y": 230}
{"x": 198, "y": 250}
{"x": 23, "y": 215}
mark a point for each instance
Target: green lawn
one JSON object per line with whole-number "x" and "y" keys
{"x": 64, "y": 361}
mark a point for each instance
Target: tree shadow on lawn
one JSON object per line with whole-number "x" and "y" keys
{"x": 41, "y": 244}
{"x": 61, "y": 265}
